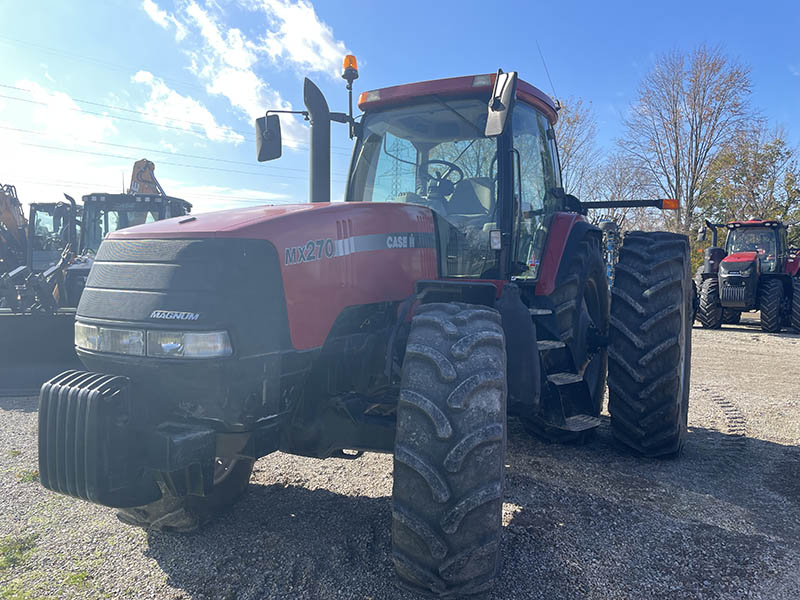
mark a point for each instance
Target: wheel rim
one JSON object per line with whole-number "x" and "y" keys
{"x": 223, "y": 466}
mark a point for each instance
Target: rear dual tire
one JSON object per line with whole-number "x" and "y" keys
{"x": 796, "y": 304}
{"x": 650, "y": 344}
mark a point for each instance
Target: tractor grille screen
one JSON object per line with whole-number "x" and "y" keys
{"x": 221, "y": 284}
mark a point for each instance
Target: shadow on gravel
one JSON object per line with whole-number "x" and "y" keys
{"x": 28, "y": 404}
{"x": 586, "y": 522}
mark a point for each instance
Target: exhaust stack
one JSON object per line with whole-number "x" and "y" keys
{"x": 319, "y": 162}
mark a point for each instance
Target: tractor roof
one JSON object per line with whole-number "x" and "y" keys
{"x": 753, "y": 223}
{"x": 469, "y": 85}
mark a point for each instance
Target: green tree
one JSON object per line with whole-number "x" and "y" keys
{"x": 756, "y": 175}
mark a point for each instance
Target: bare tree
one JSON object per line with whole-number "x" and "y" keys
{"x": 756, "y": 175}
{"x": 576, "y": 133}
{"x": 689, "y": 106}
{"x": 622, "y": 178}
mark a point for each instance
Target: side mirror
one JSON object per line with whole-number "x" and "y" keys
{"x": 701, "y": 234}
{"x": 501, "y": 102}
{"x": 268, "y": 137}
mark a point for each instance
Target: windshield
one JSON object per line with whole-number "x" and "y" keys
{"x": 759, "y": 240}
{"x": 436, "y": 155}
{"x": 99, "y": 221}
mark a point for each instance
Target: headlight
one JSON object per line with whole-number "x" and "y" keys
{"x": 87, "y": 336}
{"x": 159, "y": 344}
{"x": 178, "y": 344}
{"x": 122, "y": 341}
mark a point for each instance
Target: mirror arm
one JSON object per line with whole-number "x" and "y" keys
{"x": 290, "y": 112}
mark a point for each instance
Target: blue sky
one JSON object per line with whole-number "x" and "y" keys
{"x": 89, "y": 87}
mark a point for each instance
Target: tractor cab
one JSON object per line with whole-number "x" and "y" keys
{"x": 427, "y": 144}
{"x": 767, "y": 239}
{"x": 106, "y": 213}
{"x": 51, "y": 228}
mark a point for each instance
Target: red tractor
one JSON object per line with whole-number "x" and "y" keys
{"x": 757, "y": 270}
{"x": 457, "y": 284}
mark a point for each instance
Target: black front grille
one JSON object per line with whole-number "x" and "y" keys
{"x": 232, "y": 284}
{"x": 736, "y": 294}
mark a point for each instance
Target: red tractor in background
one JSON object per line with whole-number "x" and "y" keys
{"x": 456, "y": 285}
{"x": 757, "y": 270}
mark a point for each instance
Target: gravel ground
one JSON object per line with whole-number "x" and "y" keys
{"x": 586, "y": 522}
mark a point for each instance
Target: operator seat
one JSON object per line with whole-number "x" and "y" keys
{"x": 472, "y": 197}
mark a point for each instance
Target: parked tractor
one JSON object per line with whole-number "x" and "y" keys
{"x": 757, "y": 270}
{"x": 38, "y": 299}
{"x": 456, "y": 285}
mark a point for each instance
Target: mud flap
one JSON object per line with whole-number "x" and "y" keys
{"x": 35, "y": 348}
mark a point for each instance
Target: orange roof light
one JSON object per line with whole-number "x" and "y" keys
{"x": 669, "y": 204}
{"x": 350, "y": 63}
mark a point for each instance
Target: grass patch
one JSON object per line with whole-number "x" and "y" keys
{"x": 15, "y": 550}
{"x": 13, "y": 453}
{"x": 16, "y": 590}
{"x": 28, "y": 476}
{"x": 78, "y": 579}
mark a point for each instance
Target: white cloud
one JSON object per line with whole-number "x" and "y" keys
{"x": 62, "y": 118}
{"x": 163, "y": 19}
{"x": 226, "y": 63}
{"x": 156, "y": 14}
{"x": 297, "y": 35}
{"x": 205, "y": 198}
{"x": 167, "y": 107}
{"x": 794, "y": 70}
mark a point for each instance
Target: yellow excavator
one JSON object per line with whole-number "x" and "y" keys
{"x": 13, "y": 225}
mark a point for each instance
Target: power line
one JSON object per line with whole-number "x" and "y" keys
{"x": 243, "y": 133}
{"x": 188, "y": 166}
{"x": 91, "y": 60}
{"x": 168, "y": 152}
{"x": 62, "y": 183}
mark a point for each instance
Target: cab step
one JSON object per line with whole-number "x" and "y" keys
{"x": 564, "y": 378}
{"x": 581, "y": 423}
{"x": 540, "y": 312}
{"x": 550, "y": 345}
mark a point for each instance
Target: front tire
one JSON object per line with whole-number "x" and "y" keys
{"x": 770, "y": 305}
{"x": 796, "y": 304}
{"x": 184, "y": 514}
{"x": 709, "y": 311}
{"x": 731, "y": 316}
{"x": 651, "y": 344}
{"x": 447, "y": 496}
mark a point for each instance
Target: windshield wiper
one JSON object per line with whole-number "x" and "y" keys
{"x": 459, "y": 115}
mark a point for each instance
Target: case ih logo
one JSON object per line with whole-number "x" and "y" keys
{"x": 174, "y": 315}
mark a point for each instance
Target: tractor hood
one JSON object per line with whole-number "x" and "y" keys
{"x": 740, "y": 257}
{"x": 314, "y": 259}
{"x": 225, "y": 223}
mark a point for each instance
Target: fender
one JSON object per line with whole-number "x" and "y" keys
{"x": 567, "y": 230}
{"x": 793, "y": 266}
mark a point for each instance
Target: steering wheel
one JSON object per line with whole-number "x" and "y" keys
{"x": 451, "y": 168}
